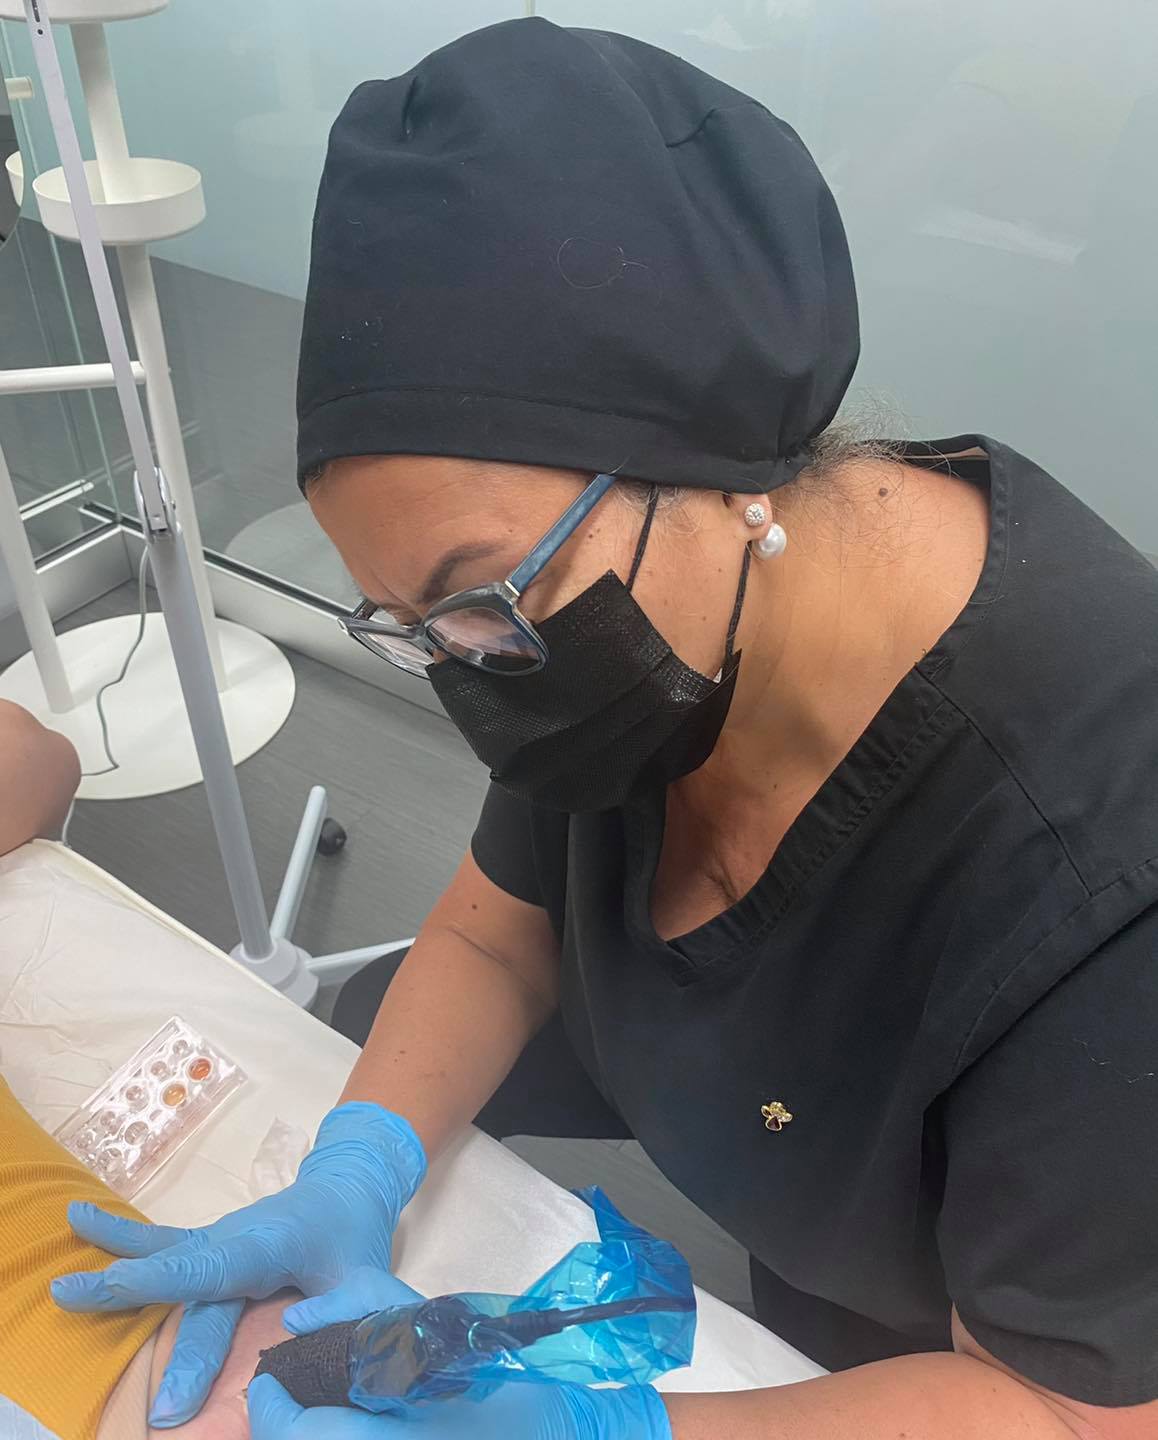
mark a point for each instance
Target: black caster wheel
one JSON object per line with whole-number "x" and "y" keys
{"x": 332, "y": 838}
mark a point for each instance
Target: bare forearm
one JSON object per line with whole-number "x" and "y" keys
{"x": 458, "y": 1013}
{"x": 922, "y": 1397}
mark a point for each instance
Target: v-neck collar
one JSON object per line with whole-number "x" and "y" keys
{"x": 911, "y": 716}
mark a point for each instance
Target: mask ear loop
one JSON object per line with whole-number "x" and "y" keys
{"x": 734, "y": 622}
{"x": 741, "y": 588}
{"x": 641, "y": 545}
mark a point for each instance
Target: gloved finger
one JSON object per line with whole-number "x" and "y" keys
{"x": 275, "y": 1415}
{"x": 363, "y": 1292}
{"x": 273, "y": 1412}
{"x": 127, "y": 1238}
{"x": 204, "y": 1337}
{"x": 239, "y": 1266}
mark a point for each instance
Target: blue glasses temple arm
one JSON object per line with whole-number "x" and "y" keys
{"x": 563, "y": 529}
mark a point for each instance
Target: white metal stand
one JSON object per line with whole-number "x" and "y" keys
{"x": 151, "y": 738}
{"x": 60, "y": 678}
{"x": 21, "y": 565}
{"x": 137, "y": 200}
{"x": 119, "y": 211}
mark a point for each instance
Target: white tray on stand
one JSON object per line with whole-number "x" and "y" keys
{"x": 84, "y": 12}
{"x": 156, "y": 200}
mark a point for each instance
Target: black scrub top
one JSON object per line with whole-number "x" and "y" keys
{"x": 947, "y": 974}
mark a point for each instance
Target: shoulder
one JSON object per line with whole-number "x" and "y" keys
{"x": 1046, "y": 1228}
{"x": 1058, "y": 672}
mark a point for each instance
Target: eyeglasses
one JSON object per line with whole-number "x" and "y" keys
{"x": 483, "y": 626}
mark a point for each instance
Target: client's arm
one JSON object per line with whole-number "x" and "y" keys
{"x": 39, "y": 773}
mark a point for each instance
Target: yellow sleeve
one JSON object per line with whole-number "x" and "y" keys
{"x": 60, "y": 1367}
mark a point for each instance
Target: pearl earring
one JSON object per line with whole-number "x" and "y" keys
{"x": 773, "y": 542}
{"x": 755, "y": 514}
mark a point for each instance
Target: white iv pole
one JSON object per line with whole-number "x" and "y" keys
{"x": 265, "y": 947}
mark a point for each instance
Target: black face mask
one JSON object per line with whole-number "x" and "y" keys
{"x": 613, "y": 709}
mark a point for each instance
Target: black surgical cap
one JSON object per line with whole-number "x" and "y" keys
{"x": 565, "y": 247}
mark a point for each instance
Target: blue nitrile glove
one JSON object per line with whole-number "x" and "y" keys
{"x": 518, "y": 1410}
{"x": 515, "y": 1411}
{"x": 363, "y": 1292}
{"x": 340, "y": 1213}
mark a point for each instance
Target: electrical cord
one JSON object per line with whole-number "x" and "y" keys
{"x": 114, "y": 763}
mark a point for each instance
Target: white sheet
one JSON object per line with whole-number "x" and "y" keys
{"x": 88, "y": 970}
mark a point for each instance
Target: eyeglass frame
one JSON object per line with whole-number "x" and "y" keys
{"x": 501, "y": 596}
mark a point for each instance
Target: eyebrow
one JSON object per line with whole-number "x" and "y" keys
{"x": 436, "y": 581}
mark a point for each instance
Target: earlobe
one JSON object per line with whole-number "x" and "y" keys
{"x": 752, "y": 512}
{"x": 769, "y": 539}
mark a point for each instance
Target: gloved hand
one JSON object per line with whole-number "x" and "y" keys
{"x": 518, "y": 1410}
{"x": 340, "y": 1213}
{"x": 364, "y": 1291}
{"x": 515, "y": 1411}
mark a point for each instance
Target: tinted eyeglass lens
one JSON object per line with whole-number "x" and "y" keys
{"x": 485, "y": 638}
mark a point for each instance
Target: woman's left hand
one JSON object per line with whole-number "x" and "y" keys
{"x": 518, "y": 1410}
{"x": 515, "y": 1411}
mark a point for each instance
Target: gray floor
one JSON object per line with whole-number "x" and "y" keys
{"x": 407, "y": 790}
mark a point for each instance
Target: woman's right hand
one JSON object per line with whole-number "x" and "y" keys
{"x": 337, "y": 1216}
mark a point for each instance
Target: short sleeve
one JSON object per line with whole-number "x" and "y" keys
{"x": 503, "y": 845}
{"x": 1049, "y": 1227}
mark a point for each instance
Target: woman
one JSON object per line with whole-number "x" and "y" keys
{"x": 822, "y": 815}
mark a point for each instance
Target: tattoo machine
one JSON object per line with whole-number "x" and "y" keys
{"x": 620, "y": 1309}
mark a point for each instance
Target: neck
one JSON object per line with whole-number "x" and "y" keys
{"x": 881, "y": 559}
